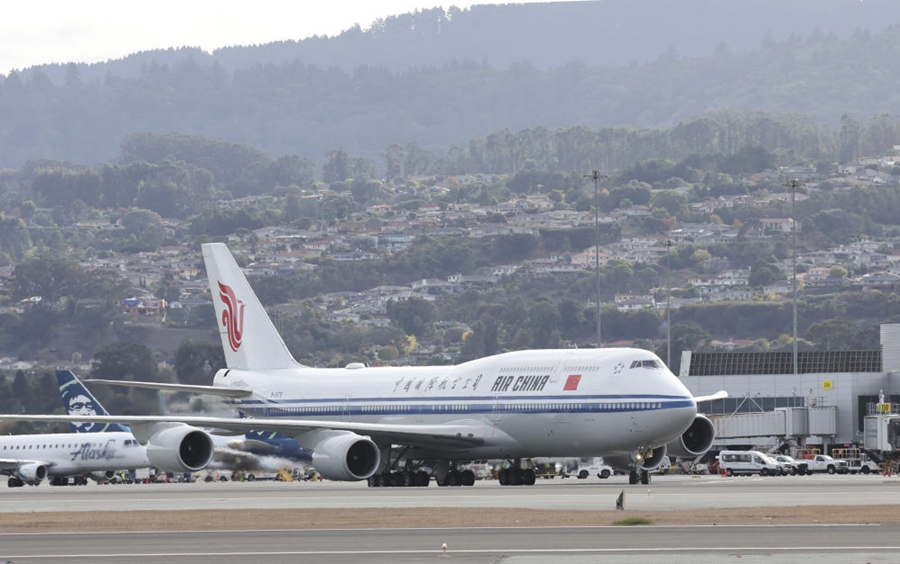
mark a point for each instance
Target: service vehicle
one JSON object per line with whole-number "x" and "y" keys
{"x": 747, "y": 462}
{"x": 857, "y": 459}
{"x": 791, "y": 465}
{"x": 825, "y": 463}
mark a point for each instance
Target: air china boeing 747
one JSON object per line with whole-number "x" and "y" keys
{"x": 402, "y": 425}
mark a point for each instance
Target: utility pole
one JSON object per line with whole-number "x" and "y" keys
{"x": 794, "y": 184}
{"x": 668, "y": 303}
{"x": 596, "y": 175}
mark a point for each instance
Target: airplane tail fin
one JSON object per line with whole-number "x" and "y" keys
{"x": 77, "y": 400}
{"x": 249, "y": 338}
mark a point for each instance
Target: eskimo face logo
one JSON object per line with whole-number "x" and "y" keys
{"x": 232, "y": 316}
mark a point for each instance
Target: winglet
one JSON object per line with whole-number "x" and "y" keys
{"x": 721, "y": 394}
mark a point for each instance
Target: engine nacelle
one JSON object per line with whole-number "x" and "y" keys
{"x": 654, "y": 458}
{"x": 650, "y": 459}
{"x": 32, "y": 473}
{"x": 102, "y": 477}
{"x": 346, "y": 457}
{"x": 180, "y": 448}
{"x": 695, "y": 441}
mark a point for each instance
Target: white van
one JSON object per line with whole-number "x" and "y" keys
{"x": 735, "y": 462}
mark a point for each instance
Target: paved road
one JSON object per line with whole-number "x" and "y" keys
{"x": 575, "y": 545}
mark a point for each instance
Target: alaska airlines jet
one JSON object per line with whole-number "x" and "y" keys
{"x": 92, "y": 449}
{"x": 400, "y": 425}
{"x": 254, "y": 450}
{"x": 30, "y": 459}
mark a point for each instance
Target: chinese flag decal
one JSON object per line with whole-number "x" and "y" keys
{"x": 572, "y": 382}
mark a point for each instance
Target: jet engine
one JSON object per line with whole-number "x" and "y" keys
{"x": 650, "y": 459}
{"x": 180, "y": 448}
{"x": 695, "y": 441}
{"x": 346, "y": 457}
{"x": 32, "y": 473}
{"x": 102, "y": 477}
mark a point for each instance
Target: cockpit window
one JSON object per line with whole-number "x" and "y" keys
{"x": 644, "y": 364}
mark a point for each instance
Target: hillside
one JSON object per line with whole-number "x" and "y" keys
{"x": 442, "y": 79}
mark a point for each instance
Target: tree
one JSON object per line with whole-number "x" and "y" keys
{"x": 49, "y": 279}
{"x": 414, "y": 315}
{"x": 197, "y": 363}
{"x": 336, "y": 167}
{"x": 837, "y": 271}
{"x": 840, "y": 334}
{"x": 21, "y": 389}
{"x": 762, "y": 273}
{"x": 685, "y": 338}
{"x": 124, "y": 361}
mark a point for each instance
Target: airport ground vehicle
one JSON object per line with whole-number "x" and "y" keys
{"x": 857, "y": 460}
{"x": 791, "y": 465}
{"x": 825, "y": 463}
{"x": 748, "y": 462}
{"x": 595, "y": 468}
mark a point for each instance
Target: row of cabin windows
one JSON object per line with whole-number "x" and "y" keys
{"x": 128, "y": 443}
{"x": 39, "y": 447}
{"x": 527, "y": 370}
{"x": 611, "y": 406}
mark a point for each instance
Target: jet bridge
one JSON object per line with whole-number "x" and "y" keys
{"x": 882, "y": 429}
{"x": 786, "y": 423}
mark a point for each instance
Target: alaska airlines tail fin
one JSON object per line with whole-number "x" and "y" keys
{"x": 249, "y": 338}
{"x": 77, "y": 400}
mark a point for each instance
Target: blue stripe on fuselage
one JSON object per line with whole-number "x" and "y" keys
{"x": 473, "y": 406}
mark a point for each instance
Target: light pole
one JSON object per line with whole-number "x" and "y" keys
{"x": 794, "y": 183}
{"x": 668, "y": 300}
{"x": 596, "y": 175}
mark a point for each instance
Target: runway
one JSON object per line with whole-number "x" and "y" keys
{"x": 511, "y": 545}
{"x": 676, "y": 493}
{"x": 785, "y": 543}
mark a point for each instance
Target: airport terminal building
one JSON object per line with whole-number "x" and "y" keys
{"x": 823, "y": 405}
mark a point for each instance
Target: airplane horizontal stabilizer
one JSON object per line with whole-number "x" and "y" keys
{"x": 209, "y": 390}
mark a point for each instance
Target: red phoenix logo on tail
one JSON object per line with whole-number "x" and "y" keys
{"x": 232, "y": 316}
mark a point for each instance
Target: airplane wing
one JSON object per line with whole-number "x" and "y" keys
{"x": 11, "y": 465}
{"x": 210, "y": 390}
{"x": 721, "y": 394}
{"x": 465, "y": 433}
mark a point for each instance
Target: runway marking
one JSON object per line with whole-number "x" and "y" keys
{"x": 443, "y": 529}
{"x": 690, "y": 550}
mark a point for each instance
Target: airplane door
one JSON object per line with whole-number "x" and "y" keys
{"x": 495, "y": 411}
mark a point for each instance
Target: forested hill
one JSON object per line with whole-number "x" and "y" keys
{"x": 608, "y": 33}
{"x": 306, "y": 107}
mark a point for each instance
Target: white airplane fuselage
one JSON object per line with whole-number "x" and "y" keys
{"x": 68, "y": 454}
{"x": 589, "y": 402}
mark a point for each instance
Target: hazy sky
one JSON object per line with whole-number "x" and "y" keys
{"x": 61, "y": 31}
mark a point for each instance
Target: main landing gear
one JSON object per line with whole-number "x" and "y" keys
{"x": 457, "y": 478}
{"x": 639, "y": 475}
{"x": 399, "y": 479}
{"x": 516, "y": 477}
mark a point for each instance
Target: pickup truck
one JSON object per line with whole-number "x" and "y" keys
{"x": 824, "y": 463}
{"x": 790, "y": 465}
